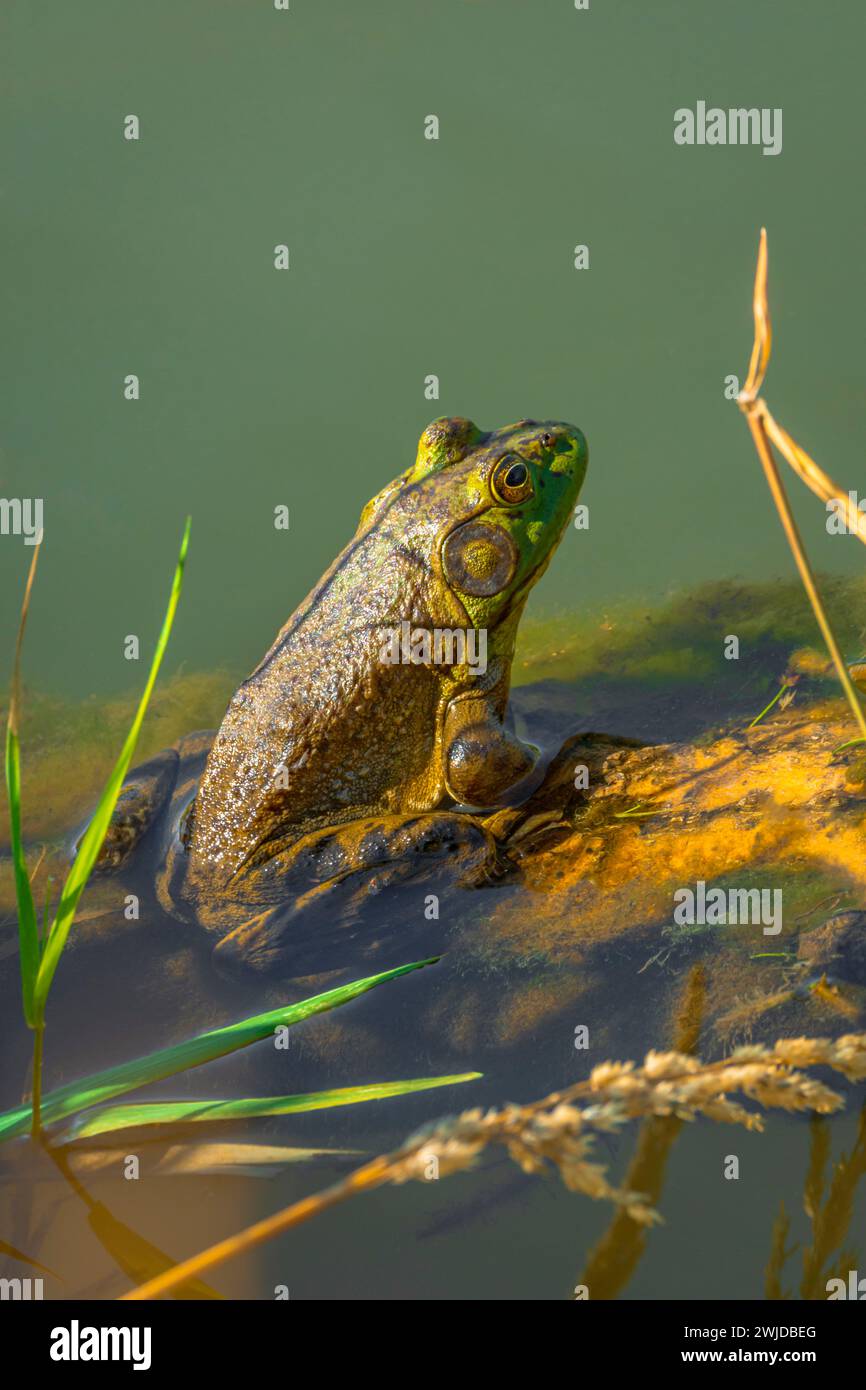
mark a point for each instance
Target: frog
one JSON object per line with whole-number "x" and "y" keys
{"x": 373, "y": 742}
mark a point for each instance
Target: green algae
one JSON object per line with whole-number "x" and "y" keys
{"x": 682, "y": 639}
{"x": 71, "y": 745}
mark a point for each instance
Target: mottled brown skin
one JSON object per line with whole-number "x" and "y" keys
{"x": 334, "y": 766}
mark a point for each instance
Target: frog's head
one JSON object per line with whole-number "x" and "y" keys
{"x": 507, "y": 496}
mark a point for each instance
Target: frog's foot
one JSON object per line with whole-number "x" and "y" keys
{"x": 488, "y": 765}
{"x": 342, "y": 869}
{"x": 485, "y": 764}
{"x": 143, "y": 796}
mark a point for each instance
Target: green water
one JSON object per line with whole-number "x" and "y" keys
{"x": 408, "y": 257}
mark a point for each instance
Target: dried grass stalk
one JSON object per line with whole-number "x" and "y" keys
{"x": 558, "y": 1130}
{"x": 764, "y": 429}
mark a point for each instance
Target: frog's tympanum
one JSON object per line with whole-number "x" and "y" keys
{"x": 363, "y": 748}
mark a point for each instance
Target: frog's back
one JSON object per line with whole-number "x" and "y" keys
{"x": 324, "y": 729}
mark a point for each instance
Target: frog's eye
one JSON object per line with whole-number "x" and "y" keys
{"x": 511, "y": 481}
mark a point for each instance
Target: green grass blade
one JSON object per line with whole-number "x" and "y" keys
{"x": 156, "y": 1066}
{"x": 28, "y": 929}
{"x": 181, "y": 1112}
{"x": 93, "y": 837}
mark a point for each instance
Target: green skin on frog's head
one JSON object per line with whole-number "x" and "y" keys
{"x": 324, "y": 731}
{"x": 508, "y": 497}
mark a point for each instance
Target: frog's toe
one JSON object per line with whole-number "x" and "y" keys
{"x": 143, "y": 796}
{"x": 258, "y": 945}
{"x": 296, "y": 938}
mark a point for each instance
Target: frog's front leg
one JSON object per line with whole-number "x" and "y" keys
{"x": 485, "y": 763}
{"x": 313, "y": 893}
